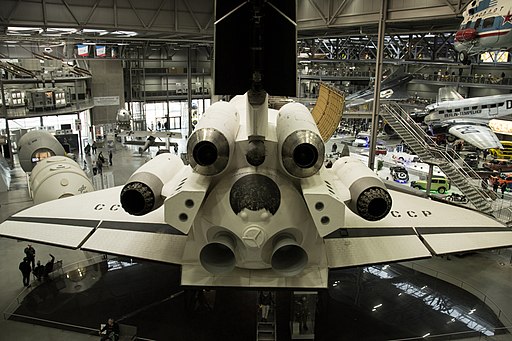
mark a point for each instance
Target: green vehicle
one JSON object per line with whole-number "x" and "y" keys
{"x": 441, "y": 185}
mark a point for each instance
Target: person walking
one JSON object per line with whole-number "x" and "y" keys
{"x": 30, "y": 253}
{"x": 25, "y": 271}
{"x": 110, "y": 158}
{"x": 503, "y": 189}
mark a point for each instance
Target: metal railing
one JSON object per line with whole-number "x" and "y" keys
{"x": 466, "y": 286}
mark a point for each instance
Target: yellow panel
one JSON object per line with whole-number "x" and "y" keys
{"x": 328, "y": 110}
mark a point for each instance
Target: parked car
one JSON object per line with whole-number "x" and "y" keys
{"x": 441, "y": 185}
{"x": 399, "y": 174}
{"x": 500, "y": 165}
{"x": 362, "y": 140}
{"x": 380, "y": 150}
{"x": 472, "y": 160}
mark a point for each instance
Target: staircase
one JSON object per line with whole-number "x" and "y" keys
{"x": 266, "y": 330}
{"x": 458, "y": 171}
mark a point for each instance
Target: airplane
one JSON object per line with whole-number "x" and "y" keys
{"x": 467, "y": 118}
{"x": 486, "y": 27}
{"x": 255, "y": 206}
{"x": 151, "y": 137}
{"x": 393, "y": 87}
{"x": 123, "y": 119}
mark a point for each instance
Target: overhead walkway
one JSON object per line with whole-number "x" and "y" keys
{"x": 459, "y": 172}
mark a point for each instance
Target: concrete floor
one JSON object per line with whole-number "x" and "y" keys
{"x": 488, "y": 274}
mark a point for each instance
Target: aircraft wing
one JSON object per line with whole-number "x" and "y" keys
{"x": 415, "y": 228}
{"x": 95, "y": 221}
{"x": 142, "y": 143}
{"x": 161, "y": 134}
{"x": 479, "y": 136}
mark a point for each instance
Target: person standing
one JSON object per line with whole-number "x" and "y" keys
{"x": 265, "y": 301}
{"x": 334, "y": 147}
{"x": 30, "y": 253}
{"x": 25, "y": 271}
{"x": 39, "y": 271}
{"x": 503, "y": 189}
{"x": 110, "y": 158}
{"x": 48, "y": 267}
{"x": 94, "y": 147}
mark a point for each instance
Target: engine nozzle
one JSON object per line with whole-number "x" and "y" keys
{"x": 211, "y": 145}
{"x": 288, "y": 257}
{"x": 143, "y": 191}
{"x": 300, "y": 145}
{"x": 218, "y": 256}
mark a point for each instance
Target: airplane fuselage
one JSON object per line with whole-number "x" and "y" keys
{"x": 487, "y": 26}
{"x": 477, "y": 109}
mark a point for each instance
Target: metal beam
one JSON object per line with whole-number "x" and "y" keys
{"x": 152, "y": 21}
{"x": 313, "y": 3}
{"x": 451, "y": 6}
{"x": 94, "y": 9}
{"x": 45, "y": 19}
{"x": 338, "y": 10}
{"x": 137, "y": 14}
{"x": 70, "y": 12}
{"x": 192, "y": 14}
{"x": 13, "y": 11}
{"x": 378, "y": 78}
{"x": 115, "y": 13}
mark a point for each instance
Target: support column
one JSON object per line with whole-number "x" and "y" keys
{"x": 378, "y": 78}
{"x": 8, "y": 152}
{"x": 189, "y": 92}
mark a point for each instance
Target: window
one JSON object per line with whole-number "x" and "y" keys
{"x": 457, "y": 109}
{"x": 466, "y": 108}
{"x": 484, "y": 106}
{"x": 475, "y": 107}
{"x": 489, "y": 22}
{"x": 493, "y": 105}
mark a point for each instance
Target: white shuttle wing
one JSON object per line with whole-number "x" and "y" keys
{"x": 415, "y": 228}
{"x": 479, "y": 136}
{"x": 96, "y": 221}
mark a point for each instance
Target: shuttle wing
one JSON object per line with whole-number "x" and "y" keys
{"x": 96, "y": 221}
{"x": 479, "y": 136}
{"x": 415, "y": 228}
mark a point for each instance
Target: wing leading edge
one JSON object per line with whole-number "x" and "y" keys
{"x": 415, "y": 228}
{"x": 479, "y": 136}
{"x": 68, "y": 223}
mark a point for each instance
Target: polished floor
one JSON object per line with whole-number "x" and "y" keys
{"x": 439, "y": 296}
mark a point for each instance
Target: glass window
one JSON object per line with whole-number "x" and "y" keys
{"x": 489, "y": 22}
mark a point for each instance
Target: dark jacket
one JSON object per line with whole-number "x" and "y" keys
{"x": 25, "y": 268}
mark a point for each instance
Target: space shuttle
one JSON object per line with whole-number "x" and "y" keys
{"x": 467, "y": 118}
{"x": 255, "y": 206}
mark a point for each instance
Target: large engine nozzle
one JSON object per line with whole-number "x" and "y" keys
{"x": 288, "y": 257}
{"x": 142, "y": 192}
{"x": 369, "y": 197}
{"x": 212, "y": 143}
{"x": 218, "y": 256}
{"x": 300, "y": 145}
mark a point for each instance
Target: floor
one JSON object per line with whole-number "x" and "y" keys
{"x": 409, "y": 294}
